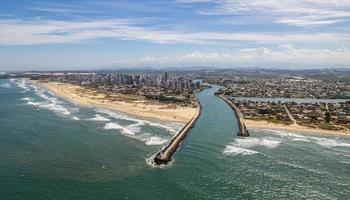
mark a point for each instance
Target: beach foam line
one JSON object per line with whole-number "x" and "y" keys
{"x": 233, "y": 150}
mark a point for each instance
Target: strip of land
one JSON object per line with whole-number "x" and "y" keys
{"x": 260, "y": 124}
{"x": 132, "y": 105}
{"x": 165, "y": 154}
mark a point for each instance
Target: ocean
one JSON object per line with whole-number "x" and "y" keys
{"x": 51, "y": 148}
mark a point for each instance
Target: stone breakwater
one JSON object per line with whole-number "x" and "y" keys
{"x": 243, "y": 132}
{"x": 165, "y": 154}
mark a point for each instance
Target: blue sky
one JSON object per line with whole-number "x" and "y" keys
{"x": 88, "y": 34}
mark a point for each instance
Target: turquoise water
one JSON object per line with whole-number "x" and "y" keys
{"x": 54, "y": 149}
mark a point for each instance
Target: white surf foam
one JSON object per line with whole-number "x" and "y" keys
{"x": 75, "y": 118}
{"x": 327, "y": 142}
{"x": 285, "y": 133}
{"x": 56, "y": 108}
{"x": 99, "y": 118}
{"x": 128, "y": 131}
{"x": 116, "y": 126}
{"x": 242, "y": 145}
{"x": 171, "y": 127}
{"x": 296, "y": 135}
{"x": 136, "y": 128}
{"x": 301, "y": 139}
{"x": 5, "y": 85}
{"x": 34, "y": 103}
{"x": 251, "y": 142}
{"x": 232, "y": 150}
{"x": 49, "y": 102}
{"x": 154, "y": 140}
{"x": 23, "y": 83}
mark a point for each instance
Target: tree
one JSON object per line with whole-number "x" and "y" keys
{"x": 313, "y": 118}
{"x": 327, "y": 117}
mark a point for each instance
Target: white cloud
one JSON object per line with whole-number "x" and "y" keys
{"x": 291, "y": 12}
{"x": 284, "y": 55}
{"x": 17, "y": 32}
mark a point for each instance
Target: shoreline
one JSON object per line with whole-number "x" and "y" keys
{"x": 260, "y": 124}
{"x": 143, "y": 109}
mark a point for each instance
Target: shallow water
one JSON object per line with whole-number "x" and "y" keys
{"x": 54, "y": 149}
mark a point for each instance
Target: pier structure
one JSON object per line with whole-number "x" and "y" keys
{"x": 164, "y": 156}
{"x": 243, "y": 132}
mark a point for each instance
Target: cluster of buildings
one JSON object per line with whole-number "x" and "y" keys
{"x": 258, "y": 110}
{"x": 162, "y": 87}
{"x": 337, "y": 114}
{"x": 334, "y": 116}
{"x": 287, "y": 87}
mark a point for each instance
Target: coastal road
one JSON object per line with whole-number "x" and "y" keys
{"x": 290, "y": 115}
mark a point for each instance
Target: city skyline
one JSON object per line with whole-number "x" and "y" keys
{"x": 88, "y": 35}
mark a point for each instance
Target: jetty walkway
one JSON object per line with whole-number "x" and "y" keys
{"x": 243, "y": 132}
{"x": 165, "y": 154}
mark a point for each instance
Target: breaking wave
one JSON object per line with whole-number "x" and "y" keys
{"x": 241, "y": 145}
{"x": 154, "y": 140}
{"x": 301, "y": 139}
{"x": 99, "y": 118}
{"x": 232, "y": 150}
{"x": 23, "y": 84}
{"x": 132, "y": 131}
{"x": 116, "y": 126}
{"x": 48, "y": 102}
{"x": 327, "y": 142}
{"x": 251, "y": 142}
{"x": 170, "y": 127}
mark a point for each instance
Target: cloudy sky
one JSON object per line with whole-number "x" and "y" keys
{"x": 95, "y": 34}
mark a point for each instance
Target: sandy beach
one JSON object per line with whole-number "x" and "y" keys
{"x": 293, "y": 127}
{"x": 128, "y": 104}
